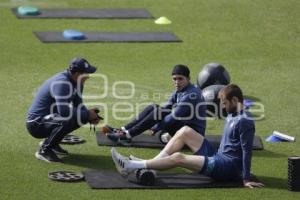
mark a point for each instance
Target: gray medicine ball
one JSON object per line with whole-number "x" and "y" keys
{"x": 213, "y": 106}
{"x": 213, "y": 74}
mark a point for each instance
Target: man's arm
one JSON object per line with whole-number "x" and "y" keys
{"x": 62, "y": 94}
{"x": 247, "y": 131}
{"x": 86, "y": 115}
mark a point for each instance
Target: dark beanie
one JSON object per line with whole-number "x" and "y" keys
{"x": 181, "y": 70}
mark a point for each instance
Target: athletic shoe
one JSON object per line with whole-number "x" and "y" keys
{"x": 41, "y": 143}
{"x": 59, "y": 150}
{"x": 131, "y": 157}
{"x": 47, "y": 155}
{"x": 121, "y": 162}
{"x": 108, "y": 129}
{"x": 118, "y": 136}
{"x": 165, "y": 138}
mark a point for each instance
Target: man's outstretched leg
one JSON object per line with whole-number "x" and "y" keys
{"x": 184, "y": 136}
{"x": 149, "y": 112}
{"x": 169, "y": 156}
{"x": 126, "y": 166}
{"x": 146, "y": 120}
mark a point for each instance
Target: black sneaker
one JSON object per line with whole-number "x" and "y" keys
{"x": 108, "y": 129}
{"x": 59, "y": 150}
{"x": 47, "y": 155}
{"x": 118, "y": 137}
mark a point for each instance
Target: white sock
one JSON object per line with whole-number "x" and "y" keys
{"x": 162, "y": 154}
{"x": 126, "y": 131}
{"x": 132, "y": 164}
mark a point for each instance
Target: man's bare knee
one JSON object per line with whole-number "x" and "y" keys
{"x": 186, "y": 129}
{"x": 191, "y": 138}
{"x": 177, "y": 158}
{"x": 187, "y": 132}
{"x": 178, "y": 133}
{"x": 182, "y": 131}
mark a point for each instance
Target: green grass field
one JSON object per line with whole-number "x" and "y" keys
{"x": 257, "y": 41}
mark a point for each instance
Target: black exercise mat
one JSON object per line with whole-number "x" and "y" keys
{"x": 94, "y": 36}
{"x": 88, "y": 13}
{"x": 148, "y": 141}
{"x": 104, "y": 179}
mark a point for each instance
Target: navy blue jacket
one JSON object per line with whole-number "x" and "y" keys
{"x": 237, "y": 141}
{"x": 59, "y": 95}
{"x": 188, "y": 107}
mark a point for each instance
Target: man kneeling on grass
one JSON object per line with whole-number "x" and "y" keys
{"x": 232, "y": 161}
{"x": 57, "y": 109}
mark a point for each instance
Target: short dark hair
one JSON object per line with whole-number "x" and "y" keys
{"x": 181, "y": 70}
{"x": 232, "y": 90}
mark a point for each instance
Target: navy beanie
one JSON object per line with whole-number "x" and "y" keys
{"x": 181, "y": 70}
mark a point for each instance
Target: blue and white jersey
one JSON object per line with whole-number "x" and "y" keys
{"x": 237, "y": 141}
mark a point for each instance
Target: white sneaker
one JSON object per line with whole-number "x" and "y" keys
{"x": 131, "y": 157}
{"x": 121, "y": 162}
{"x": 165, "y": 138}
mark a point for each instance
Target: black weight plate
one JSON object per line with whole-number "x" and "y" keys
{"x": 65, "y": 176}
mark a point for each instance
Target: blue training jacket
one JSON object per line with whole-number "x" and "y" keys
{"x": 237, "y": 140}
{"x": 59, "y": 95}
{"x": 188, "y": 107}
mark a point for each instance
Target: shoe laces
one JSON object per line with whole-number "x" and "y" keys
{"x": 119, "y": 132}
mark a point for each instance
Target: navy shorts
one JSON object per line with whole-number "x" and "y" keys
{"x": 206, "y": 149}
{"x": 224, "y": 169}
{"x": 217, "y": 166}
{"x": 208, "y": 152}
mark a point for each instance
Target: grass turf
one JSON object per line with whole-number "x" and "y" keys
{"x": 257, "y": 41}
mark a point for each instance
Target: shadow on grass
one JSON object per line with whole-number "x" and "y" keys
{"x": 89, "y": 161}
{"x": 267, "y": 154}
{"x": 274, "y": 182}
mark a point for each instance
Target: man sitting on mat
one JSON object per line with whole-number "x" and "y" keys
{"x": 58, "y": 109}
{"x": 232, "y": 161}
{"x": 186, "y": 107}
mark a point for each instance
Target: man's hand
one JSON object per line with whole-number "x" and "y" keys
{"x": 93, "y": 116}
{"x": 252, "y": 184}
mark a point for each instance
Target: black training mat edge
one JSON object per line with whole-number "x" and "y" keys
{"x": 69, "y": 13}
{"x": 148, "y": 141}
{"x": 96, "y": 36}
{"x": 104, "y": 179}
